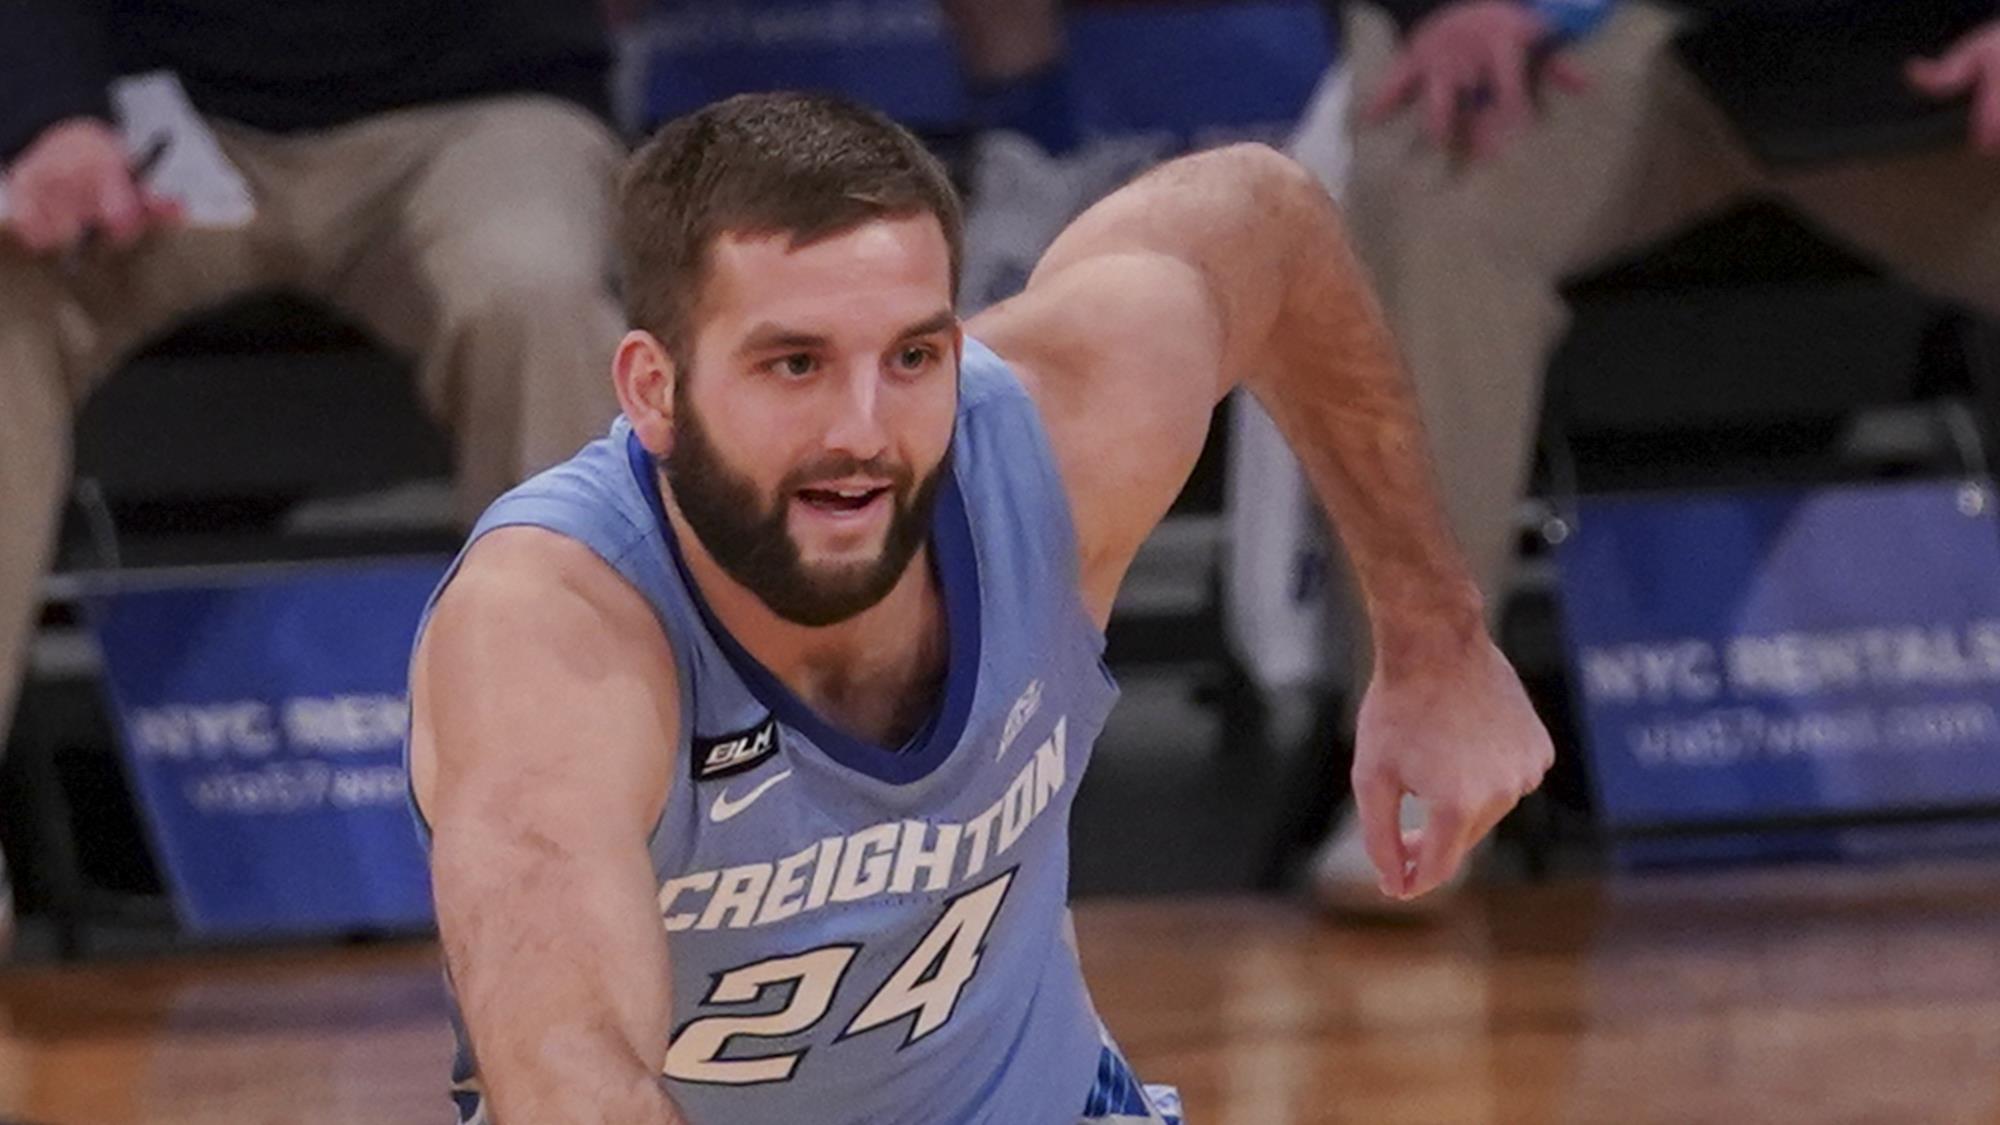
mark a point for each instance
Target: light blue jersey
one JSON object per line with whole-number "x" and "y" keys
{"x": 858, "y": 934}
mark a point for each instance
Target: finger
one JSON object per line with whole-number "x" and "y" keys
{"x": 1943, "y": 77}
{"x": 1488, "y": 819}
{"x": 1438, "y": 855}
{"x": 1530, "y": 782}
{"x": 22, "y": 213}
{"x": 118, "y": 209}
{"x": 1485, "y": 133}
{"x": 1986, "y": 115}
{"x": 163, "y": 211}
{"x": 1533, "y": 771}
{"x": 68, "y": 210}
{"x": 1440, "y": 95}
{"x": 1398, "y": 87}
{"x": 60, "y": 232}
{"x": 1507, "y": 77}
{"x": 55, "y": 225}
{"x": 30, "y": 228}
{"x": 1563, "y": 72}
{"x": 1378, "y": 801}
{"x": 29, "y": 224}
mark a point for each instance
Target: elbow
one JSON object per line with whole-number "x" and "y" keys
{"x": 1244, "y": 172}
{"x": 1292, "y": 210}
{"x": 1268, "y": 174}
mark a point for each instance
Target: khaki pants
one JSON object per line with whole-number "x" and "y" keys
{"x": 474, "y": 237}
{"x": 1467, "y": 257}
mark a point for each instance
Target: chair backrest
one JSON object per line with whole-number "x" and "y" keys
{"x": 201, "y": 445}
{"x": 273, "y": 396}
{"x": 1746, "y": 341}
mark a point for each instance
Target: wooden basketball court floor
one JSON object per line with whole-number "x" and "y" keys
{"x": 1795, "y": 995}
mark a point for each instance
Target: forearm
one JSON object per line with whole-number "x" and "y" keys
{"x": 560, "y": 970}
{"x": 540, "y": 817}
{"x": 1222, "y": 269}
{"x": 1325, "y": 367}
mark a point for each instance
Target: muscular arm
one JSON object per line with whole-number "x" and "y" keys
{"x": 1232, "y": 268}
{"x": 545, "y": 711}
{"x": 1227, "y": 268}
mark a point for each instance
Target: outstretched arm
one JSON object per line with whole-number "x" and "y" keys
{"x": 1232, "y": 268}
{"x": 545, "y": 713}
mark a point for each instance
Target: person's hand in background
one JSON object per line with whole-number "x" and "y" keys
{"x": 75, "y": 178}
{"x": 1971, "y": 68}
{"x": 1475, "y": 68}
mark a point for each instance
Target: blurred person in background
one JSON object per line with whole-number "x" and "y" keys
{"x": 439, "y": 171}
{"x": 1504, "y": 145}
{"x": 1031, "y": 168}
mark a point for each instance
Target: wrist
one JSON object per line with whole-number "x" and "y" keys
{"x": 1412, "y": 636}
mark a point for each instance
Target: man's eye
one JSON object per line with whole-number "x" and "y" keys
{"x": 915, "y": 358}
{"x": 796, "y": 366}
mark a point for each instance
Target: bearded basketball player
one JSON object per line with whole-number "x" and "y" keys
{"x": 745, "y": 741}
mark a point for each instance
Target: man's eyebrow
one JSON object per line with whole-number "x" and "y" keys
{"x": 769, "y": 336}
{"x": 937, "y": 322}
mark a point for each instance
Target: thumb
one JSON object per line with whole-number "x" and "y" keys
{"x": 118, "y": 206}
{"x": 1942, "y": 77}
{"x": 1378, "y": 800}
{"x": 1563, "y": 72}
{"x": 163, "y": 210}
{"x": 1397, "y": 88}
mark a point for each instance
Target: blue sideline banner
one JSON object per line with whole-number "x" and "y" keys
{"x": 893, "y": 54}
{"x": 1207, "y": 72}
{"x": 1200, "y": 71}
{"x": 1774, "y": 654}
{"x": 263, "y": 719}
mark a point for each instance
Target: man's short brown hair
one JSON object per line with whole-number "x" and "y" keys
{"x": 805, "y": 165}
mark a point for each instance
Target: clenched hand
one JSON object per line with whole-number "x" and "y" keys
{"x": 1456, "y": 732}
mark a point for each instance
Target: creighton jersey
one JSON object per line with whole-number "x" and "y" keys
{"x": 861, "y": 934}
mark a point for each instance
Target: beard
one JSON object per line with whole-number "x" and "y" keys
{"x": 747, "y": 533}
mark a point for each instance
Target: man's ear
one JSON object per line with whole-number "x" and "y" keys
{"x": 645, "y": 374}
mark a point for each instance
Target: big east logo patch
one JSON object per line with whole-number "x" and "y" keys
{"x": 734, "y": 753}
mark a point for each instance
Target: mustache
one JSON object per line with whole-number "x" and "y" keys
{"x": 835, "y": 466}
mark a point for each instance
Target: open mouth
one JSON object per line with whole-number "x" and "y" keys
{"x": 839, "y": 501}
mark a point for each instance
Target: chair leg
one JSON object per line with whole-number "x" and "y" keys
{"x": 49, "y": 813}
{"x": 1317, "y": 785}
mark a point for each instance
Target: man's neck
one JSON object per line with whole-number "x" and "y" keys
{"x": 877, "y": 675}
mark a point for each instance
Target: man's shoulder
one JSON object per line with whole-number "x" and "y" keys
{"x": 538, "y": 654}
{"x": 517, "y": 558}
{"x": 542, "y": 584}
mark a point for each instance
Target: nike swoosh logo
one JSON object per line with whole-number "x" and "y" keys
{"x": 724, "y": 808}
